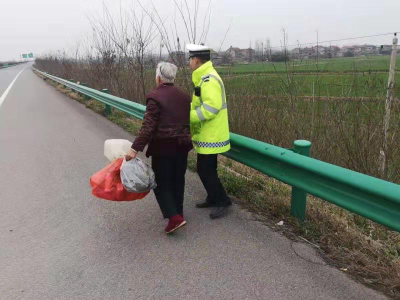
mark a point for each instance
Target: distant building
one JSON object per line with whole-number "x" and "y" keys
{"x": 358, "y": 50}
{"x": 309, "y": 52}
{"x": 370, "y": 49}
{"x": 217, "y": 58}
{"x": 233, "y": 52}
{"x": 347, "y": 51}
{"x": 385, "y": 49}
{"x": 241, "y": 55}
{"x": 334, "y": 51}
{"x": 177, "y": 56}
{"x": 313, "y": 52}
{"x": 363, "y": 49}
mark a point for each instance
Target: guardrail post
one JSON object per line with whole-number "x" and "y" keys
{"x": 84, "y": 96}
{"x": 299, "y": 197}
{"x": 108, "y": 107}
{"x": 71, "y": 80}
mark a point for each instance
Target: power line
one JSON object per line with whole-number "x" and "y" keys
{"x": 338, "y": 40}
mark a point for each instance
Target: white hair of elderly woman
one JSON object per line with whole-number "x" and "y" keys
{"x": 166, "y": 72}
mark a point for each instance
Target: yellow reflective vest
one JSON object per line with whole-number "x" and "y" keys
{"x": 209, "y": 114}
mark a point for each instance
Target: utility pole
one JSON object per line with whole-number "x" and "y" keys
{"x": 388, "y": 106}
{"x": 317, "y": 48}
{"x": 161, "y": 46}
{"x": 262, "y": 51}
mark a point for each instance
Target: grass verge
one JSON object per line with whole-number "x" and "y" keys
{"x": 368, "y": 252}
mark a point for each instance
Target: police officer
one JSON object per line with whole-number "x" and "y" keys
{"x": 209, "y": 127}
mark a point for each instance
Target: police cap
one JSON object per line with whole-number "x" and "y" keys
{"x": 200, "y": 51}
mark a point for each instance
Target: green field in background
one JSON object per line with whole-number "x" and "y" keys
{"x": 340, "y": 77}
{"x": 326, "y": 85}
{"x": 375, "y": 63}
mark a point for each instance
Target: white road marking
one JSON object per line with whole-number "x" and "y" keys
{"x": 3, "y": 97}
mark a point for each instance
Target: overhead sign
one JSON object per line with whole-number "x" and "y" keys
{"x": 24, "y": 55}
{"x": 30, "y": 55}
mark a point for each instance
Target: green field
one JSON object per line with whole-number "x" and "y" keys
{"x": 338, "y": 104}
{"x": 336, "y": 65}
{"x": 324, "y": 85}
{"x": 341, "y": 77}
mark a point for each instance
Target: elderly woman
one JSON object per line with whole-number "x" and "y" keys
{"x": 166, "y": 131}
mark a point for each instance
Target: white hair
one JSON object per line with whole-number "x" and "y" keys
{"x": 166, "y": 72}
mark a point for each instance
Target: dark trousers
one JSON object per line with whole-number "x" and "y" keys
{"x": 207, "y": 168}
{"x": 170, "y": 177}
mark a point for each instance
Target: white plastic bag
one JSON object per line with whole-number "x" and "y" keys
{"x": 114, "y": 149}
{"x": 137, "y": 176}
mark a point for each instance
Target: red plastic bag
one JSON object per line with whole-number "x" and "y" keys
{"x": 106, "y": 184}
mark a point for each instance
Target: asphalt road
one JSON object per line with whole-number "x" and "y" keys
{"x": 59, "y": 242}
{"x": 7, "y": 75}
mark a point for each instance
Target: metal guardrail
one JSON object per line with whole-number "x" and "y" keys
{"x": 7, "y": 66}
{"x": 129, "y": 107}
{"x": 10, "y": 65}
{"x": 373, "y": 198}
{"x": 4, "y": 66}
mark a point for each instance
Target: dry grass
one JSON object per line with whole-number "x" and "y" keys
{"x": 367, "y": 251}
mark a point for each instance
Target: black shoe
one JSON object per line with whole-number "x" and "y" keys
{"x": 218, "y": 212}
{"x": 205, "y": 204}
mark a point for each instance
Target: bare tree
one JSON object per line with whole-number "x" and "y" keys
{"x": 170, "y": 35}
{"x": 133, "y": 36}
{"x": 223, "y": 40}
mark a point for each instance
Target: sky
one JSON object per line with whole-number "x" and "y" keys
{"x": 44, "y": 26}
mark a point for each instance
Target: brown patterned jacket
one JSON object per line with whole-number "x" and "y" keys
{"x": 166, "y": 124}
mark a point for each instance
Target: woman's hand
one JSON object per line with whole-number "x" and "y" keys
{"x": 130, "y": 155}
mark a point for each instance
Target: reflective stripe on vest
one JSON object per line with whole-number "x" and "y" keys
{"x": 200, "y": 114}
{"x": 206, "y": 106}
{"x": 211, "y": 145}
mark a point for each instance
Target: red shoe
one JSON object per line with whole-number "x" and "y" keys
{"x": 175, "y": 223}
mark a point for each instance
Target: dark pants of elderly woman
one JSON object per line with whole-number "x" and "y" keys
{"x": 170, "y": 178}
